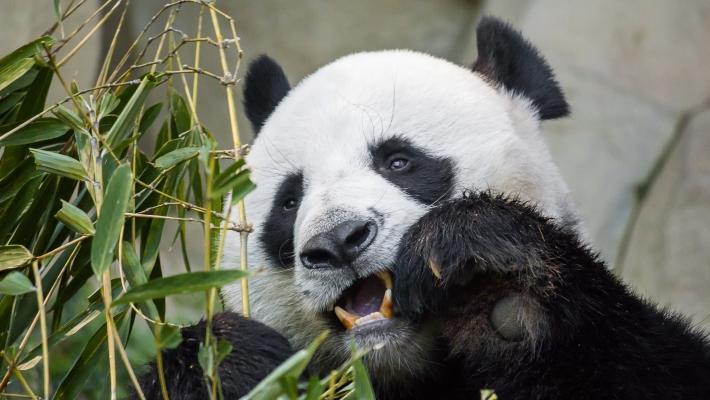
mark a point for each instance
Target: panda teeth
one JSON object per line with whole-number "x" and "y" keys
{"x": 386, "y": 278}
{"x": 386, "y": 306}
{"x": 347, "y": 319}
{"x": 372, "y": 317}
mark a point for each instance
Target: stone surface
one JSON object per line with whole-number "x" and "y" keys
{"x": 668, "y": 257}
{"x": 605, "y": 150}
{"x": 23, "y": 21}
{"x": 656, "y": 49}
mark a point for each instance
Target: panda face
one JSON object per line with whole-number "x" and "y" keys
{"x": 346, "y": 163}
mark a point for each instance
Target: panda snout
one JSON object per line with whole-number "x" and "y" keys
{"x": 339, "y": 246}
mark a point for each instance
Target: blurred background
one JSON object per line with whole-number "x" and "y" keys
{"x": 636, "y": 150}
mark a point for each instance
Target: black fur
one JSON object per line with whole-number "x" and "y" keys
{"x": 506, "y": 58}
{"x": 426, "y": 178}
{"x": 586, "y": 335}
{"x": 265, "y": 85}
{"x": 277, "y": 235}
{"x": 256, "y": 351}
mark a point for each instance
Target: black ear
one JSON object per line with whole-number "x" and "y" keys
{"x": 265, "y": 85}
{"x": 506, "y": 58}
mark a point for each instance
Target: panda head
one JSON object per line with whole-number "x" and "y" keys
{"x": 345, "y": 162}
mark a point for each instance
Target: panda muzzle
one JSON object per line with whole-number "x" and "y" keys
{"x": 368, "y": 300}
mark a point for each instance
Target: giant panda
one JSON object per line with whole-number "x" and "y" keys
{"x": 410, "y": 206}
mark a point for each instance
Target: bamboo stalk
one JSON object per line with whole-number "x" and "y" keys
{"x": 43, "y": 328}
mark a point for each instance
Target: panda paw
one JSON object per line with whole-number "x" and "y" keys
{"x": 460, "y": 239}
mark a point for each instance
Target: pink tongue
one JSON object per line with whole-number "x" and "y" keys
{"x": 366, "y": 296}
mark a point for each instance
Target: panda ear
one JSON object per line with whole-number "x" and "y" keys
{"x": 507, "y": 59}
{"x": 265, "y": 85}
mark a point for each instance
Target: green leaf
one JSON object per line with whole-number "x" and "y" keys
{"x": 36, "y": 94}
{"x": 205, "y": 358}
{"x": 132, "y": 266}
{"x": 17, "y": 63}
{"x": 270, "y": 387}
{"x": 149, "y": 116}
{"x": 37, "y": 131}
{"x": 75, "y": 218}
{"x": 176, "y": 156}
{"x": 58, "y": 10}
{"x": 15, "y": 283}
{"x": 224, "y": 347}
{"x": 20, "y": 83}
{"x": 314, "y": 390}
{"x": 363, "y": 388}
{"x": 169, "y": 337}
{"x": 242, "y": 188}
{"x": 178, "y": 284}
{"x": 59, "y": 164}
{"x": 182, "y": 117}
{"x": 126, "y": 119}
{"x": 75, "y": 379}
{"x": 107, "y": 104}
{"x": 110, "y": 221}
{"x": 13, "y": 256}
{"x": 136, "y": 276}
{"x": 70, "y": 117}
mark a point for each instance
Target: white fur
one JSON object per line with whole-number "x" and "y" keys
{"x": 323, "y": 127}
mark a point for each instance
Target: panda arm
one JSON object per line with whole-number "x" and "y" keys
{"x": 534, "y": 313}
{"x": 256, "y": 351}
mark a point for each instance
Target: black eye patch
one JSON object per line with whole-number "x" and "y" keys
{"x": 425, "y": 177}
{"x": 277, "y": 235}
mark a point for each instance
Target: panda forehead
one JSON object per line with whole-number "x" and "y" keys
{"x": 367, "y": 96}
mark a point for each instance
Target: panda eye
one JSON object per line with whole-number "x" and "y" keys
{"x": 290, "y": 204}
{"x": 398, "y": 163}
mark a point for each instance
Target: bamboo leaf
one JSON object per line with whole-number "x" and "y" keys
{"x": 178, "y": 284}
{"x": 110, "y": 221}
{"x": 168, "y": 338}
{"x": 13, "y": 256}
{"x": 176, "y": 156}
{"x": 124, "y": 123}
{"x": 59, "y": 164}
{"x": 20, "y": 83}
{"x": 149, "y": 116}
{"x": 17, "y": 63}
{"x": 180, "y": 113}
{"x": 270, "y": 387}
{"x": 29, "y": 364}
{"x": 363, "y": 388}
{"x": 36, "y": 94}
{"x": 75, "y": 380}
{"x": 58, "y": 10}
{"x": 15, "y": 283}
{"x": 242, "y": 188}
{"x": 75, "y": 218}
{"x": 314, "y": 389}
{"x": 37, "y": 131}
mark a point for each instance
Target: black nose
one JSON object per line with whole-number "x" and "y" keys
{"x": 339, "y": 246}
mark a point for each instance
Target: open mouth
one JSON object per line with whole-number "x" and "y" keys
{"x": 368, "y": 300}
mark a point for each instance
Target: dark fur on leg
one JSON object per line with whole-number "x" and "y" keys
{"x": 256, "y": 351}
{"x": 581, "y": 333}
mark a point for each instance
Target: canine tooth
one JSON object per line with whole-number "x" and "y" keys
{"x": 386, "y": 278}
{"x": 435, "y": 268}
{"x": 386, "y": 306}
{"x": 347, "y": 319}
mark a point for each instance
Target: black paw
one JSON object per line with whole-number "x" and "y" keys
{"x": 447, "y": 247}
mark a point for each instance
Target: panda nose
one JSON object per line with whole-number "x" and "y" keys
{"x": 339, "y": 246}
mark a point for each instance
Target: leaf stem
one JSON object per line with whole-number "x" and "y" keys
{"x": 43, "y": 328}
